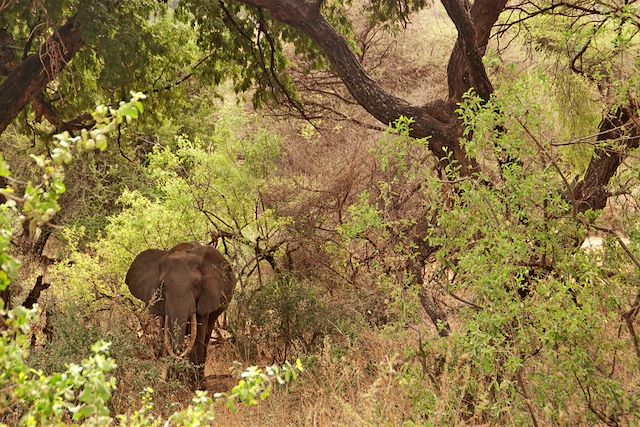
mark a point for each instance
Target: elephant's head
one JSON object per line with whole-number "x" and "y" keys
{"x": 183, "y": 285}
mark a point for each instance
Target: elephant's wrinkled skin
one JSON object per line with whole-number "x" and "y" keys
{"x": 188, "y": 279}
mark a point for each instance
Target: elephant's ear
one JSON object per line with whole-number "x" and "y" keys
{"x": 143, "y": 278}
{"x": 217, "y": 283}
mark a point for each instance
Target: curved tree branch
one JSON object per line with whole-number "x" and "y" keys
{"x": 436, "y": 120}
{"x": 623, "y": 125}
{"x": 29, "y": 78}
{"x": 468, "y": 44}
{"x": 462, "y": 73}
{"x": 306, "y": 17}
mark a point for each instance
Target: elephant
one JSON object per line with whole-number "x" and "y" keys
{"x": 188, "y": 286}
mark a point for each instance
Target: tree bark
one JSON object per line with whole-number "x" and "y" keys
{"x": 622, "y": 125}
{"x": 468, "y": 47}
{"x": 484, "y": 14}
{"x": 30, "y": 77}
{"x": 436, "y": 120}
{"x": 43, "y": 108}
{"x": 7, "y": 55}
{"x": 5, "y": 297}
{"x": 34, "y": 295}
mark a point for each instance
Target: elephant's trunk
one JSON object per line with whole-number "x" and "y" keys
{"x": 192, "y": 337}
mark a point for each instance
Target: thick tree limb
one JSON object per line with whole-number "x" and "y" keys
{"x": 415, "y": 265}
{"x": 29, "y": 78}
{"x": 5, "y": 297}
{"x": 468, "y": 45}
{"x": 460, "y": 74}
{"x": 436, "y": 120}
{"x": 43, "y": 108}
{"x": 623, "y": 125}
{"x": 7, "y": 54}
{"x": 34, "y": 295}
{"x": 385, "y": 107}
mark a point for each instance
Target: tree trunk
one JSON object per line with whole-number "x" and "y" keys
{"x": 30, "y": 77}
{"x": 34, "y": 295}
{"x": 484, "y": 14}
{"x": 436, "y": 119}
{"x": 5, "y": 297}
{"x": 621, "y": 124}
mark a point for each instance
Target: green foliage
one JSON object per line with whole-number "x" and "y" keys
{"x": 197, "y": 187}
{"x": 376, "y": 235}
{"x": 69, "y": 340}
{"x": 9, "y": 265}
{"x": 386, "y": 10}
{"x": 142, "y": 417}
{"x": 258, "y": 384}
{"x": 598, "y": 46}
{"x": 40, "y": 200}
{"x": 127, "y": 46}
{"x": 222, "y": 177}
{"x": 539, "y": 309}
{"x": 82, "y": 392}
{"x": 364, "y": 217}
{"x": 242, "y": 56}
{"x": 286, "y": 313}
{"x": 538, "y": 322}
{"x": 140, "y": 44}
{"x": 537, "y": 325}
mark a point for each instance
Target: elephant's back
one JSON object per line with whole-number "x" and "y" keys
{"x": 184, "y": 247}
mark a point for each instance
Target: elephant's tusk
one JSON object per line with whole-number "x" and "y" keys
{"x": 167, "y": 337}
{"x": 192, "y": 337}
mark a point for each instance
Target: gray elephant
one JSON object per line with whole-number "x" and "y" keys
{"x": 188, "y": 286}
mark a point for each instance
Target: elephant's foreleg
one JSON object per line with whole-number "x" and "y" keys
{"x": 210, "y": 326}
{"x": 206, "y": 323}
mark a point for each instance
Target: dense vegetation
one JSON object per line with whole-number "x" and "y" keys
{"x": 404, "y": 190}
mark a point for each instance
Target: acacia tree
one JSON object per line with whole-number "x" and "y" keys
{"x": 317, "y": 21}
{"x": 465, "y": 70}
{"x": 250, "y": 33}
{"x": 57, "y": 59}
{"x": 244, "y": 41}
{"x": 537, "y": 313}
{"x": 533, "y": 216}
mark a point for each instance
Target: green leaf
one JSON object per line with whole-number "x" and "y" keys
{"x": 58, "y": 187}
{"x": 101, "y": 142}
{"x": 4, "y": 167}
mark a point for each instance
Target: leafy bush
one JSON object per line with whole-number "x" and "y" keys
{"x": 538, "y": 327}
{"x": 30, "y": 397}
{"x": 69, "y": 338}
{"x": 198, "y": 188}
{"x": 82, "y": 392}
{"x": 285, "y": 314}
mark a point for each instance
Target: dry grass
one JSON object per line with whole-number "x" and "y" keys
{"x": 357, "y": 387}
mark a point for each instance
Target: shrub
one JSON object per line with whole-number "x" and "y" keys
{"x": 81, "y": 392}
{"x": 286, "y": 313}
